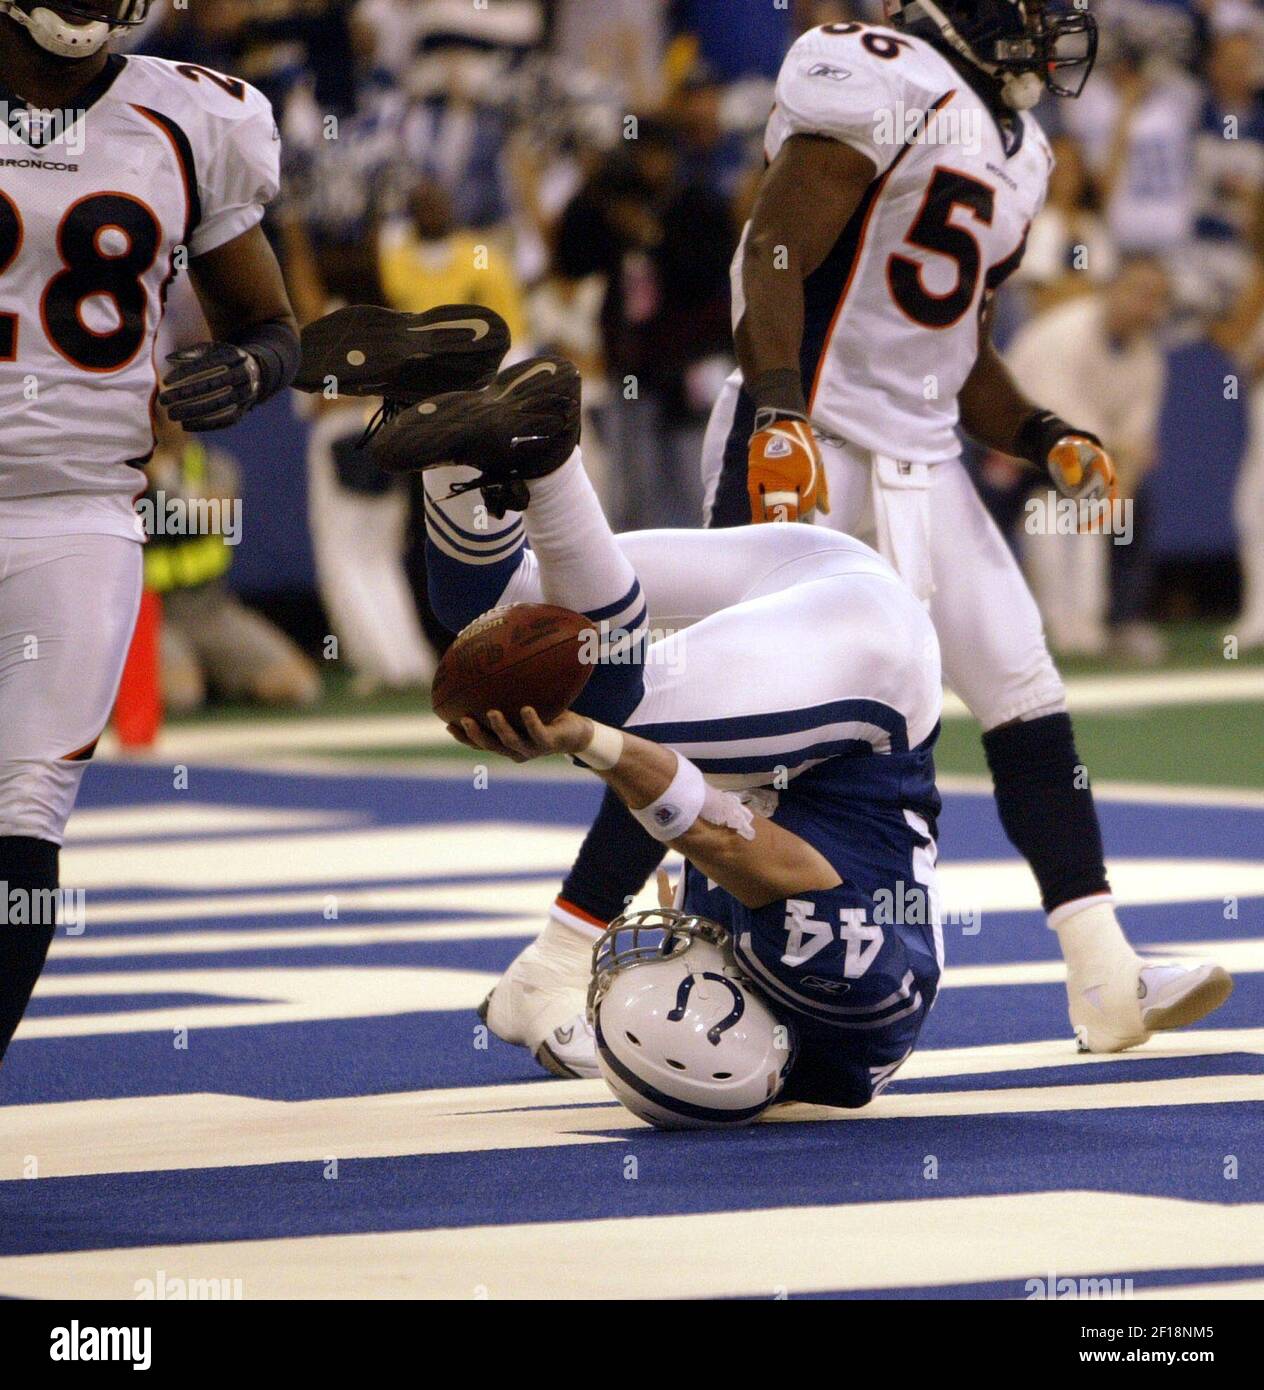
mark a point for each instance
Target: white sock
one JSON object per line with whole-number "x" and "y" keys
{"x": 1091, "y": 938}
{"x": 461, "y": 526}
{"x": 566, "y": 949}
{"x": 575, "y": 921}
{"x": 581, "y": 565}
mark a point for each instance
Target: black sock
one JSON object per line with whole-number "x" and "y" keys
{"x": 614, "y": 861}
{"x": 1046, "y": 807}
{"x": 26, "y": 866}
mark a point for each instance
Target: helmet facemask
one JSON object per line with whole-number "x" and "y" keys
{"x": 1058, "y": 48}
{"x": 638, "y": 938}
{"x": 1024, "y": 47}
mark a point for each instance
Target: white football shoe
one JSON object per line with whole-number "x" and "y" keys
{"x": 540, "y": 1002}
{"x": 1117, "y": 998}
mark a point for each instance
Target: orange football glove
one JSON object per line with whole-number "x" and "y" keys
{"x": 784, "y": 476}
{"x": 1082, "y": 469}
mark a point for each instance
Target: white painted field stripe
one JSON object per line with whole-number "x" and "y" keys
{"x": 1150, "y": 690}
{"x": 932, "y": 1063}
{"x": 1237, "y": 956}
{"x": 385, "y": 852}
{"x": 515, "y": 897}
{"x": 1128, "y": 1095}
{"x": 925, "y": 1064}
{"x": 487, "y": 896}
{"x": 181, "y": 817}
{"x": 1111, "y": 789}
{"x": 1182, "y": 1293}
{"x": 210, "y": 1131}
{"x": 1168, "y": 794}
{"x": 931, "y": 1241}
{"x": 287, "y": 996}
{"x": 197, "y": 741}
{"x": 170, "y": 943}
{"x": 968, "y": 887}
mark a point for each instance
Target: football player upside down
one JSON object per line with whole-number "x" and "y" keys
{"x": 863, "y": 290}
{"x": 784, "y": 746}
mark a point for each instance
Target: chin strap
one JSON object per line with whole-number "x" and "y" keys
{"x": 1020, "y": 91}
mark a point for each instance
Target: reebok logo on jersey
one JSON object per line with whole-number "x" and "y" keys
{"x": 830, "y": 71}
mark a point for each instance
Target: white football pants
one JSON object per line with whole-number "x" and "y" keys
{"x": 68, "y": 606}
{"x": 929, "y": 522}
{"x": 798, "y": 642}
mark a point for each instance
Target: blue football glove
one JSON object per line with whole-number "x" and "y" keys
{"x": 210, "y": 385}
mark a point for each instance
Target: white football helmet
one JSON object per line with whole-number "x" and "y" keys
{"x": 683, "y": 1038}
{"x": 74, "y": 28}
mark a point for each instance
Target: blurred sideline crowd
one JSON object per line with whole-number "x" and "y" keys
{"x": 585, "y": 167}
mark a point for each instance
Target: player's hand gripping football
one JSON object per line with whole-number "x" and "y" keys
{"x": 784, "y": 475}
{"x": 568, "y": 733}
{"x": 210, "y": 386}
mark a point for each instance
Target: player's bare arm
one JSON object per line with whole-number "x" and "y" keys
{"x": 996, "y": 413}
{"x": 808, "y": 195}
{"x": 758, "y": 864}
{"x": 255, "y": 352}
{"x": 240, "y": 287}
{"x": 993, "y": 408}
{"x": 806, "y": 198}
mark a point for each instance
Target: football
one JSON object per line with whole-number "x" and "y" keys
{"x": 524, "y": 654}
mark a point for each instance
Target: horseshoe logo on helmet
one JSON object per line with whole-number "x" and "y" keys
{"x": 682, "y": 999}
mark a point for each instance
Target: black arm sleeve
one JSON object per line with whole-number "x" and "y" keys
{"x": 275, "y": 346}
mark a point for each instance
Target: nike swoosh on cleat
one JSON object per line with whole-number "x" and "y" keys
{"x": 549, "y": 367}
{"x": 479, "y": 327}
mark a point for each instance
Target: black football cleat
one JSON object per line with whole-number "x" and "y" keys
{"x": 523, "y": 425}
{"x": 364, "y": 350}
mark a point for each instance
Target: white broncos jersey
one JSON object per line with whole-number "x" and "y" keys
{"x": 100, "y": 208}
{"x": 891, "y": 326}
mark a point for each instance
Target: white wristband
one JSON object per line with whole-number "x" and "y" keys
{"x": 679, "y": 806}
{"x": 603, "y": 751}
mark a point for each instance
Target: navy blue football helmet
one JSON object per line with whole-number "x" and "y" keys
{"x": 1020, "y": 43}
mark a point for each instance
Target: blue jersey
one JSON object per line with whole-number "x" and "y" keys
{"x": 854, "y": 969}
